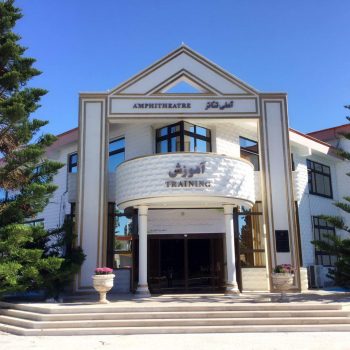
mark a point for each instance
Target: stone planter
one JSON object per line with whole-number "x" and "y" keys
{"x": 103, "y": 284}
{"x": 282, "y": 282}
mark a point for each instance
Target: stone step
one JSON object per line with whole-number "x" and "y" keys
{"x": 172, "y": 322}
{"x": 138, "y": 307}
{"x": 176, "y": 329}
{"x": 172, "y": 315}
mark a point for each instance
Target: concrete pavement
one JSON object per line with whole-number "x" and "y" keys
{"x": 251, "y": 341}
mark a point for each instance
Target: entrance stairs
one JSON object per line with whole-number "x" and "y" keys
{"x": 147, "y": 317}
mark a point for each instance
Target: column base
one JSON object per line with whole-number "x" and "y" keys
{"x": 232, "y": 289}
{"x": 143, "y": 291}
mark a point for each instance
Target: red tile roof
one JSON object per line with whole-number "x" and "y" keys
{"x": 65, "y": 138}
{"x": 330, "y": 133}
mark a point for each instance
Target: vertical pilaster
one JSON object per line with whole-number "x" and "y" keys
{"x": 142, "y": 287}
{"x": 92, "y": 155}
{"x": 231, "y": 278}
{"x": 276, "y": 169}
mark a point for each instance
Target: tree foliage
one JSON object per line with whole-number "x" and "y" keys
{"x": 25, "y": 174}
{"x": 61, "y": 243}
{"x": 334, "y": 244}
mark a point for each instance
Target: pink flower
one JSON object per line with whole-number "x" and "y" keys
{"x": 284, "y": 268}
{"x": 103, "y": 271}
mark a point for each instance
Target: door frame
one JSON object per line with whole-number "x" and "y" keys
{"x": 185, "y": 237}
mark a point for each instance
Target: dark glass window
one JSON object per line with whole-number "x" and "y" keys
{"x": 183, "y": 137}
{"x": 121, "y": 231}
{"x": 116, "y": 156}
{"x": 292, "y": 160}
{"x": 36, "y": 222}
{"x": 251, "y": 237}
{"x": 250, "y": 151}
{"x": 73, "y": 163}
{"x": 3, "y": 195}
{"x": 39, "y": 175}
{"x": 116, "y": 153}
{"x": 321, "y": 229}
{"x": 72, "y": 214}
{"x": 319, "y": 177}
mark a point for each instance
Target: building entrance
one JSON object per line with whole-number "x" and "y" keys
{"x": 186, "y": 263}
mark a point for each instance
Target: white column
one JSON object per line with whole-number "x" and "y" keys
{"x": 231, "y": 280}
{"x": 142, "y": 287}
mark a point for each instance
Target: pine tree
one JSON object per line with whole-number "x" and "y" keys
{"x": 25, "y": 175}
{"x": 60, "y": 242}
{"x": 335, "y": 245}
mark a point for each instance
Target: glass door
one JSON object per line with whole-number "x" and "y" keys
{"x": 166, "y": 264}
{"x": 186, "y": 263}
{"x": 199, "y": 267}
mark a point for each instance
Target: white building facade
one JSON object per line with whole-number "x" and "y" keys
{"x": 186, "y": 179}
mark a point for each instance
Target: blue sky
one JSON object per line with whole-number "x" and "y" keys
{"x": 299, "y": 47}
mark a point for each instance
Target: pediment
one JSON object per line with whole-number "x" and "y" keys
{"x": 183, "y": 66}
{"x": 183, "y": 86}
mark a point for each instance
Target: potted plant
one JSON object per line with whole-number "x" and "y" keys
{"x": 103, "y": 282}
{"x": 282, "y": 279}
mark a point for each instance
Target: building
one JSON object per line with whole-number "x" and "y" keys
{"x": 186, "y": 179}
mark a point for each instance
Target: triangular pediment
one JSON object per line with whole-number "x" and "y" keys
{"x": 184, "y": 69}
{"x": 183, "y": 83}
{"x": 182, "y": 86}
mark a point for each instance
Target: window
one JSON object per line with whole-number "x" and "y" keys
{"x": 72, "y": 214}
{"x": 37, "y": 222}
{"x": 3, "y": 195}
{"x": 183, "y": 137}
{"x": 116, "y": 153}
{"x": 116, "y": 156}
{"x": 321, "y": 229}
{"x": 319, "y": 177}
{"x": 292, "y": 160}
{"x": 251, "y": 239}
{"x": 121, "y": 229}
{"x": 73, "y": 163}
{"x": 39, "y": 175}
{"x": 250, "y": 151}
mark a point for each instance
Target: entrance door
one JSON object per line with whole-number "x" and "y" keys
{"x": 185, "y": 263}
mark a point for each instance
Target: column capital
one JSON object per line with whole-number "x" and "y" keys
{"x": 228, "y": 209}
{"x": 143, "y": 210}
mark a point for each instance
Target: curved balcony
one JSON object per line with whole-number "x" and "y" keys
{"x": 185, "y": 180}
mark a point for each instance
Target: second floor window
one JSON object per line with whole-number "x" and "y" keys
{"x": 116, "y": 153}
{"x": 183, "y": 137}
{"x": 319, "y": 178}
{"x": 3, "y": 195}
{"x": 250, "y": 151}
{"x": 36, "y": 222}
{"x": 73, "y": 163}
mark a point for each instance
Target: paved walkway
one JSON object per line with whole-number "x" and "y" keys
{"x": 89, "y": 301}
{"x": 251, "y": 341}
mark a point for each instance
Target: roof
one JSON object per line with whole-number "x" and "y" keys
{"x": 330, "y": 133}
{"x": 64, "y": 139}
{"x": 310, "y": 137}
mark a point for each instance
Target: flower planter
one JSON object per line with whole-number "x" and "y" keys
{"x": 282, "y": 282}
{"x": 103, "y": 284}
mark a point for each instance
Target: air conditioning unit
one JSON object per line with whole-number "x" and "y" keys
{"x": 315, "y": 276}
